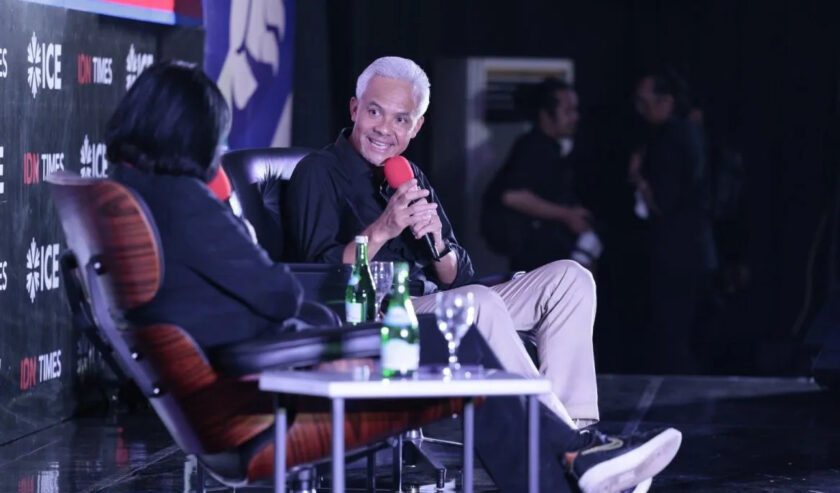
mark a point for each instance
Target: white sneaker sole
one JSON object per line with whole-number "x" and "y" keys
{"x": 644, "y": 486}
{"x": 628, "y": 470}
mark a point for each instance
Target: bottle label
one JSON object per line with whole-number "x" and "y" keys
{"x": 400, "y": 356}
{"x": 354, "y": 312}
{"x": 397, "y": 316}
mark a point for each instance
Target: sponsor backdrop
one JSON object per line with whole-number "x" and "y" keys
{"x": 61, "y": 74}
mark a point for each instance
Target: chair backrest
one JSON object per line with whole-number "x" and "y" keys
{"x": 108, "y": 228}
{"x": 259, "y": 178}
{"x": 119, "y": 260}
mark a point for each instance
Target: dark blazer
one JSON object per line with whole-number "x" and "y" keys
{"x": 217, "y": 284}
{"x": 675, "y": 166}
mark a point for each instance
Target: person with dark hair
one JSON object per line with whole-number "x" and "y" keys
{"x": 531, "y": 212}
{"x": 165, "y": 140}
{"x": 148, "y": 128}
{"x": 670, "y": 174}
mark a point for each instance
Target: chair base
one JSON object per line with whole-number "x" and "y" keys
{"x": 302, "y": 480}
{"x": 413, "y": 449}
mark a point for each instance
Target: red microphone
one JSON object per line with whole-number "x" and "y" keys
{"x": 397, "y": 172}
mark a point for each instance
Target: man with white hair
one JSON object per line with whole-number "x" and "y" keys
{"x": 340, "y": 192}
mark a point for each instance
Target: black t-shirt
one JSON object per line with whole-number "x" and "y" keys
{"x": 675, "y": 168}
{"x": 535, "y": 163}
{"x": 334, "y": 194}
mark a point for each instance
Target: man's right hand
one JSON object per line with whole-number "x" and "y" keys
{"x": 399, "y": 214}
{"x": 577, "y": 219}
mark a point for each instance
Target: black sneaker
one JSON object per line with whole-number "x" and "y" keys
{"x": 613, "y": 464}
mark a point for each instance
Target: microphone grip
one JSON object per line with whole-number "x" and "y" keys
{"x": 430, "y": 243}
{"x": 428, "y": 239}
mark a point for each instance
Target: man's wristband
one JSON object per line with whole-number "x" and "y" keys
{"x": 445, "y": 252}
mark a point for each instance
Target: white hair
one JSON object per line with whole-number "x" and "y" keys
{"x": 395, "y": 67}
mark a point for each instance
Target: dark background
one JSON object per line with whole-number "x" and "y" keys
{"x": 765, "y": 72}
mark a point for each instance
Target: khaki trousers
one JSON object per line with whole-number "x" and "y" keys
{"x": 556, "y": 302}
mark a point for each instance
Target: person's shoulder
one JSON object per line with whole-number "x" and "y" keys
{"x": 151, "y": 184}
{"x": 323, "y": 162}
{"x": 682, "y": 127}
{"x": 532, "y": 144}
{"x": 685, "y": 132}
{"x": 169, "y": 197}
{"x": 535, "y": 137}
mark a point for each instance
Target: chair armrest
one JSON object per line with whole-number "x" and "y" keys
{"x": 305, "y": 348}
{"x": 324, "y": 283}
{"x": 315, "y": 345}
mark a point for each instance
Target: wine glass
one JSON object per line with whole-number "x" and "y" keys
{"x": 455, "y": 314}
{"x": 383, "y": 278}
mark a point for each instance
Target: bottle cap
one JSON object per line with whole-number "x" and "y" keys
{"x": 361, "y": 239}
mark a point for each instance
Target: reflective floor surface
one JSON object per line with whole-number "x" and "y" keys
{"x": 740, "y": 435}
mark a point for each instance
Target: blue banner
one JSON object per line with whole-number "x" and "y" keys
{"x": 249, "y": 52}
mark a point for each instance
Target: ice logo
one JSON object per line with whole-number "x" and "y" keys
{"x": 135, "y": 63}
{"x": 33, "y": 73}
{"x": 33, "y": 264}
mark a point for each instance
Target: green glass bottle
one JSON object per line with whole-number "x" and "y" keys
{"x": 360, "y": 298}
{"x": 400, "y": 352}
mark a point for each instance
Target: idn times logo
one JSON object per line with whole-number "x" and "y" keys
{"x": 38, "y": 369}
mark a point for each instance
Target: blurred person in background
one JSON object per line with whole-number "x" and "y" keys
{"x": 669, "y": 171}
{"x": 531, "y": 212}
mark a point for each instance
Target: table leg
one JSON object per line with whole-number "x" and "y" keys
{"x": 469, "y": 445}
{"x": 533, "y": 445}
{"x": 397, "y": 463}
{"x": 370, "y": 462}
{"x": 279, "y": 446}
{"x": 338, "y": 445}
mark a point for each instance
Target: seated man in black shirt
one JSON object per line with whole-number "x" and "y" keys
{"x": 531, "y": 211}
{"x": 339, "y": 192}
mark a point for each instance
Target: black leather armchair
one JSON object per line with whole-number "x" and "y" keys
{"x": 260, "y": 178}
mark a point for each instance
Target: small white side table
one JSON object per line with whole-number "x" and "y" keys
{"x": 338, "y": 386}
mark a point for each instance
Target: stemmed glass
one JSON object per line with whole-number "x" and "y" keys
{"x": 383, "y": 279}
{"x": 455, "y": 314}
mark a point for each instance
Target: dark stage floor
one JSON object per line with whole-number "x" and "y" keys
{"x": 740, "y": 435}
